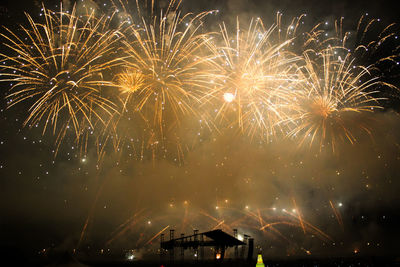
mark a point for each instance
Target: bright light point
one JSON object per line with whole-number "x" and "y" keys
{"x": 340, "y": 204}
{"x": 216, "y": 207}
{"x": 229, "y": 97}
{"x": 274, "y": 209}
{"x": 83, "y": 160}
{"x": 284, "y": 210}
{"x": 226, "y": 201}
{"x": 240, "y": 237}
{"x": 293, "y": 210}
{"x": 148, "y": 222}
{"x": 247, "y": 207}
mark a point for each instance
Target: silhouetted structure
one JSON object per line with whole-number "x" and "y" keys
{"x": 217, "y": 239}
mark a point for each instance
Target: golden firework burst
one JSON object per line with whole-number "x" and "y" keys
{"x": 251, "y": 74}
{"x": 58, "y": 68}
{"x": 331, "y": 100}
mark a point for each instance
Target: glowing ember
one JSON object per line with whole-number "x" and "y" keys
{"x": 229, "y": 97}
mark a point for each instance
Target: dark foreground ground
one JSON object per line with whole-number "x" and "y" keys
{"x": 334, "y": 262}
{"x": 276, "y": 263}
{"x": 17, "y": 258}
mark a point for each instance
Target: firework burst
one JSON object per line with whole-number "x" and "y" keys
{"x": 331, "y": 101}
{"x": 371, "y": 43}
{"x": 163, "y": 78}
{"x": 251, "y": 76}
{"x": 57, "y": 67}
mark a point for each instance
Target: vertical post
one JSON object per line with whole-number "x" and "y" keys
{"x": 222, "y": 252}
{"x": 235, "y": 234}
{"x": 202, "y": 247}
{"x": 250, "y": 250}
{"x": 182, "y": 246}
{"x": 171, "y": 251}
{"x": 244, "y": 246}
{"x": 196, "y": 243}
{"x": 162, "y": 250}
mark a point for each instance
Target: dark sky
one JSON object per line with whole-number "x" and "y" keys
{"x": 316, "y": 8}
{"x": 46, "y": 200}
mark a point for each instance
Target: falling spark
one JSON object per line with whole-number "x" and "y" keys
{"x": 337, "y": 214}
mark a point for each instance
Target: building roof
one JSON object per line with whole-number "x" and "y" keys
{"x": 215, "y": 238}
{"x": 221, "y": 237}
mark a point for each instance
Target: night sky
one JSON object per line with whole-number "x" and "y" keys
{"x": 224, "y": 179}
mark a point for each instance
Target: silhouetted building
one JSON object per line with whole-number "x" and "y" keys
{"x": 218, "y": 240}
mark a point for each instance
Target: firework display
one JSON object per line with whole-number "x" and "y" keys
{"x": 168, "y": 102}
{"x": 166, "y": 67}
